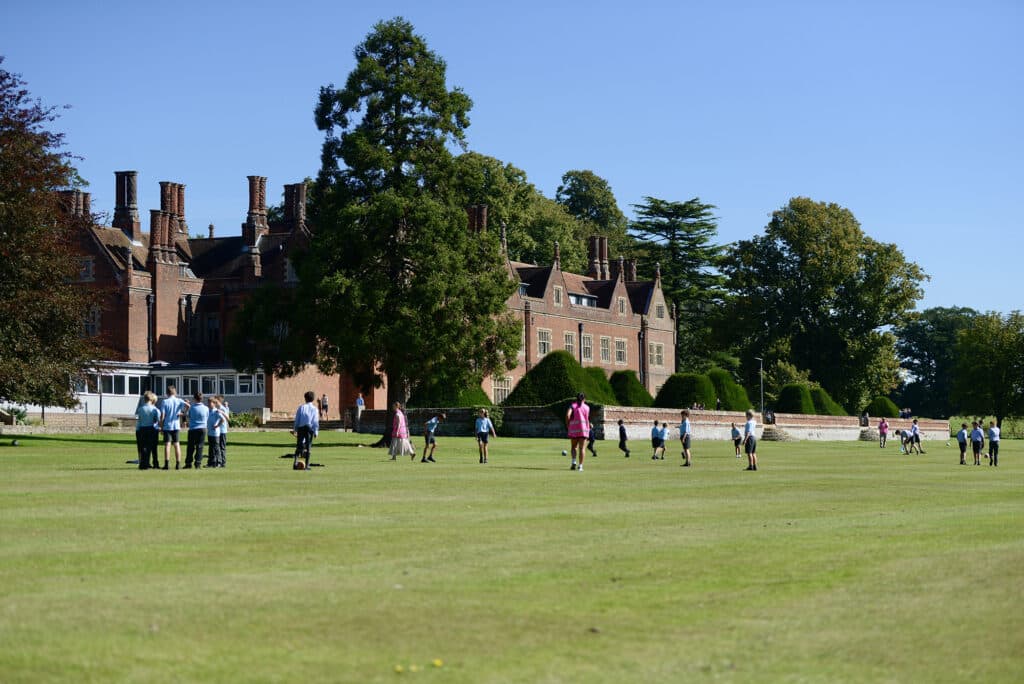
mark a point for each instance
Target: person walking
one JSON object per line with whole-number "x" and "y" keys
{"x": 915, "y": 437}
{"x": 147, "y": 431}
{"x": 171, "y": 408}
{"x": 484, "y": 429}
{"x": 305, "y": 428}
{"x": 429, "y": 437}
{"x": 750, "y": 440}
{"x": 993, "y": 443}
{"x": 577, "y": 423}
{"x": 658, "y": 441}
{"x": 883, "y": 432}
{"x": 214, "y": 424}
{"x": 684, "y": 436}
{"x": 325, "y": 407}
{"x": 961, "y": 440}
{"x": 977, "y": 441}
{"x": 591, "y": 440}
{"x": 360, "y": 405}
{"x": 400, "y": 444}
{"x": 622, "y": 438}
{"x": 198, "y": 415}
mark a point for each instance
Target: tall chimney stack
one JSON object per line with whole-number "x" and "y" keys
{"x": 593, "y": 254}
{"x": 154, "y": 236}
{"x": 256, "y": 218}
{"x": 182, "y": 226}
{"x": 211, "y": 231}
{"x": 605, "y": 273}
{"x": 126, "y": 210}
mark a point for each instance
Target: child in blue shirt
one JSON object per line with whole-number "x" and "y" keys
{"x": 198, "y": 415}
{"x": 147, "y": 431}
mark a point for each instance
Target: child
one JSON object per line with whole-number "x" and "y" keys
{"x": 993, "y": 443}
{"x": 484, "y": 428}
{"x": 961, "y": 440}
{"x": 737, "y": 440}
{"x": 225, "y": 409}
{"x": 883, "y": 432}
{"x": 400, "y": 444}
{"x": 198, "y": 415}
{"x": 591, "y": 438}
{"x": 305, "y": 428}
{"x": 915, "y": 437}
{"x": 622, "y": 438}
{"x": 171, "y": 409}
{"x": 684, "y": 436}
{"x": 214, "y": 424}
{"x": 977, "y": 441}
{"x": 656, "y": 442}
{"x": 147, "y": 431}
{"x": 750, "y": 440}
{"x": 429, "y": 428}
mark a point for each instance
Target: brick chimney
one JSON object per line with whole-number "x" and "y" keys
{"x": 631, "y": 271}
{"x": 294, "y": 205}
{"x": 477, "y": 218}
{"x": 256, "y": 218}
{"x": 72, "y": 202}
{"x": 126, "y": 210}
{"x": 211, "y": 231}
{"x": 86, "y": 205}
{"x": 594, "y": 256}
{"x": 182, "y": 226}
{"x": 603, "y": 248}
{"x": 155, "y": 249}
{"x": 558, "y": 257}
{"x": 618, "y": 268}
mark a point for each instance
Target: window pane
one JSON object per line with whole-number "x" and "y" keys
{"x": 134, "y": 386}
{"x": 158, "y": 385}
{"x": 209, "y": 384}
{"x": 245, "y": 384}
{"x": 107, "y": 382}
{"x": 118, "y": 384}
{"x": 227, "y": 384}
{"x": 259, "y": 383}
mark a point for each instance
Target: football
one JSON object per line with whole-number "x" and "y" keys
{"x": 299, "y": 465}
{"x": 564, "y": 452}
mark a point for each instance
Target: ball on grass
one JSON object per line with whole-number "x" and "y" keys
{"x": 299, "y": 465}
{"x": 564, "y": 452}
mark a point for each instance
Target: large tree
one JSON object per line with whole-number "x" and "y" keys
{"x": 589, "y": 198}
{"x": 679, "y": 236}
{"x": 926, "y": 344}
{"x": 42, "y": 311}
{"x": 989, "y": 371}
{"x": 394, "y": 283}
{"x": 815, "y": 291}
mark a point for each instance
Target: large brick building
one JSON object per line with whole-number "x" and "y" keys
{"x": 170, "y": 297}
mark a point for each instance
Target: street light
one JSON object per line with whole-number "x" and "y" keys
{"x": 760, "y": 362}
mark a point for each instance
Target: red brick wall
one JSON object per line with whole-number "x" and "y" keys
{"x": 284, "y": 395}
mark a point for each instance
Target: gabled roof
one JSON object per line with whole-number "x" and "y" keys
{"x": 535, "y": 278}
{"x": 640, "y": 294}
{"x": 113, "y": 241}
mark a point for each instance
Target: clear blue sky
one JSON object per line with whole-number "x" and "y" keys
{"x": 908, "y": 113}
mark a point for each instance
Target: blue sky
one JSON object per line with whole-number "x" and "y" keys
{"x": 907, "y": 113}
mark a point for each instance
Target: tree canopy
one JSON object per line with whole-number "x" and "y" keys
{"x": 926, "y": 344}
{"x": 589, "y": 198}
{"x": 816, "y": 291}
{"x": 989, "y": 369}
{"x": 42, "y": 310}
{"x": 394, "y": 283}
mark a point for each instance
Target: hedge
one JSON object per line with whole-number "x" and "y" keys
{"x": 795, "y": 398}
{"x": 435, "y": 397}
{"x": 558, "y": 376}
{"x": 628, "y": 389}
{"x": 825, "y": 405}
{"x": 733, "y": 396}
{"x": 882, "y": 407}
{"x": 682, "y": 390}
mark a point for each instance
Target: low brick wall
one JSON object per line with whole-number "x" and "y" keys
{"x": 460, "y": 422}
{"x": 848, "y": 428}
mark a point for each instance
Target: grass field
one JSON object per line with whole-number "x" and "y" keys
{"x": 833, "y": 563}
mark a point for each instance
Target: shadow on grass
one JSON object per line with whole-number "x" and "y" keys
{"x": 26, "y": 439}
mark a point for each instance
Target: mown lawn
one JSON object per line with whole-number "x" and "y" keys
{"x": 834, "y": 562}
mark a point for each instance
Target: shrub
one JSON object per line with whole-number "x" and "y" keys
{"x": 20, "y": 414}
{"x": 795, "y": 398}
{"x": 628, "y": 390}
{"x": 882, "y": 407}
{"x": 825, "y": 405}
{"x": 442, "y": 397}
{"x": 242, "y": 419}
{"x": 556, "y": 377}
{"x": 733, "y": 396}
{"x": 682, "y": 390}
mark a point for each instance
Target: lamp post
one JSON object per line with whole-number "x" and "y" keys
{"x": 760, "y": 363}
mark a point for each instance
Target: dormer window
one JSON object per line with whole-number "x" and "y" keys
{"x": 86, "y": 269}
{"x": 522, "y": 289}
{"x": 582, "y": 299}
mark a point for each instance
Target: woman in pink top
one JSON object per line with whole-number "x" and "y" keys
{"x": 400, "y": 444}
{"x": 883, "y": 431}
{"x": 577, "y": 419}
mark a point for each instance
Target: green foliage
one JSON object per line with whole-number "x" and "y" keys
{"x": 20, "y": 414}
{"x": 242, "y": 419}
{"x": 882, "y": 407}
{"x": 589, "y": 199}
{"x": 816, "y": 291}
{"x": 628, "y": 390}
{"x": 989, "y": 366}
{"x": 824, "y": 404}
{"x": 926, "y": 344}
{"x": 1010, "y": 428}
{"x": 683, "y": 390}
{"x": 556, "y": 377}
{"x": 795, "y": 399}
{"x": 679, "y": 236}
{"x": 444, "y": 397}
{"x": 733, "y": 396}
{"x": 42, "y": 305}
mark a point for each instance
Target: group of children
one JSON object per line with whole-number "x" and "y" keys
{"x": 207, "y": 425}
{"x": 977, "y": 438}
{"x": 747, "y": 439}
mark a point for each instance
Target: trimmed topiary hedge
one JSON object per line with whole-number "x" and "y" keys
{"x": 733, "y": 396}
{"x": 882, "y": 407}
{"x": 795, "y": 398}
{"x": 556, "y": 377}
{"x": 628, "y": 389}
{"x": 682, "y": 390}
{"x": 433, "y": 397}
{"x": 825, "y": 405}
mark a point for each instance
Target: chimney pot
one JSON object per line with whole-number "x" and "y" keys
{"x": 211, "y": 231}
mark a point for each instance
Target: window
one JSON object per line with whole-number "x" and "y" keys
{"x": 190, "y": 385}
{"x": 213, "y": 329}
{"x": 522, "y": 289}
{"x": 502, "y": 388}
{"x": 79, "y": 385}
{"x": 92, "y": 322}
{"x": 172, "y": 381}
{"x": 107, "y": 384}
{"x": 259, "y": 383}
{"x": 558, "y": 295}
{"x": 620, "y": 351}
{"x": 158, "y": 385}
{"x": 570, "y": 343}
{"x": 543, "y": 342}
{"x": 582, "y": 300}
{"x": 87, "y": 269}
{"x": 119, "y": 383}
{"x": 606, "y": 350}
{"x": 622, "y": 306}
{"x": 134, "y": 385}
{"x": 208, "y": 384}
{"x": 245, "y": 384}
{"x": 227, "y": 384}
{"x": 657, "y": 354}
{"x": 659, "y": 311}
{"x": 588, "y": 347}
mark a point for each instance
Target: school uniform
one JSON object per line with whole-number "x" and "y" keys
{"x": 622, "y": 440}
{"x": 224, "y": 435}
{"x": 684, "y": 433}
{"x": 307, "y": 426}
{"x": 431, "y": 426}
{"x": 749, "y": 436}
{"x": 977, "y": 442}
{"x": 146, "y": 435}
{"x": 993, "y": 446}
{"x": 656, "y": 439}
{"x": 170, "y": 411}
{"x": 961, "y": 440}
{"x": 198, "y": 414}
{"x": 214, "y": 424}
